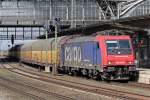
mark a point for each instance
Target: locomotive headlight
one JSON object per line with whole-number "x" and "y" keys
{"x": 130, "y": 62}
{"x": 109, "y": 62}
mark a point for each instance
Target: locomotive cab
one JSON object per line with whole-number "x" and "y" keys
{"x": 118, "y": 57}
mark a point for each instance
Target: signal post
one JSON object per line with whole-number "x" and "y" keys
{"x": 47, "y": 68}
{"x": 56, "y": 46}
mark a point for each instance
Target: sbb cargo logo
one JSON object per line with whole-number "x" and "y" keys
{"x": 73, "y": 54}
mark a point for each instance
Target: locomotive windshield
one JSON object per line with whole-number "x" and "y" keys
{"x": 118, "y": 47}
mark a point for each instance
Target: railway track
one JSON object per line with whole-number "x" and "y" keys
{"x": 130, "y": 84}
{"x": 32, "y": 91}
{"x": 84, "y": 87}
{"x": 5, "y": 83}
{"x": 141, "y": 85}
{"x": 25, "y": 85}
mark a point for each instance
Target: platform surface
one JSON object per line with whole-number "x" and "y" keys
{"x": 144, "y": 75}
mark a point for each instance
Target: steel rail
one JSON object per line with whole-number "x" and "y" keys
{"x": 85, "y": 87}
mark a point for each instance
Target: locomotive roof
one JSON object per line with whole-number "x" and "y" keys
{"x": 81, "y": 39}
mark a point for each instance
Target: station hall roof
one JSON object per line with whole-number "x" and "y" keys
{"x": 129, "y": 23}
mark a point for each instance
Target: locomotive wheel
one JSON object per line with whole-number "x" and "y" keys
{"x": 74, "y": 72}
{"x": 84, "y": 72}
{"x": 90, "y": 73}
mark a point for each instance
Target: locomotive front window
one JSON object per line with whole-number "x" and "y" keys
{"x": 124, "y": 44}
{"x": 118, "y": 47}
{"x": 112, "y": 44}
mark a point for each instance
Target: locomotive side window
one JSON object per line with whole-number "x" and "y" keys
{"x": 97, "y": 45}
